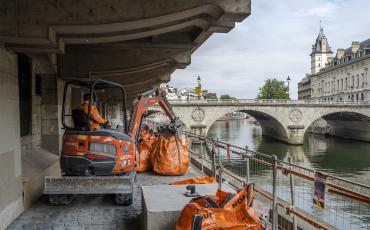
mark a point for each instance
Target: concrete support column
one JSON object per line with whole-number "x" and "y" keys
{"x": 296, "y": 134}
{"x": 52, "y": 98}
{"x": 11, "y": 202}
{"x": 113, "y": 114}
{"x": 198, "y": 129}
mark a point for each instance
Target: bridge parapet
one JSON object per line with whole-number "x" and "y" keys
{"x": 269, "y": 102}
{"x": 285, "y": 120}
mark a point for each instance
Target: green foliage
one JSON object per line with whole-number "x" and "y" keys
{"x": 211, "y": 96}
{"x": 273, "y": 89}
{"x": 227, "y": 97}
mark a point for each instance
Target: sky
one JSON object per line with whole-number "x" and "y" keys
{"x": 273, "y": 42}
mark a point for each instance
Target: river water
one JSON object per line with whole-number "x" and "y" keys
{"x": 343, "y": 158}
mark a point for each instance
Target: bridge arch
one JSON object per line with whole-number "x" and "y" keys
{"x": 344, "y": 123}
{"x": 271, "y": 125}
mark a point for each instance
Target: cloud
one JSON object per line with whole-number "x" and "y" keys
{"x": 275, "y": 41}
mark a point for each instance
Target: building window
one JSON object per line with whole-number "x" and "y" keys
{"x": 25, "y": 93}
{"x": 358, "y": 81}
{"x": 353, "y": 81}
{"x": 337, "y": 85}
{"x": 341, "y": 84}
{"x": 363, "y": 80}
{"x": 38, "y": 84}
{"x": 362, "y": 96}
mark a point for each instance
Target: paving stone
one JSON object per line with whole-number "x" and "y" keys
{"x": 29, "y": 226}
{"x": 91, "y": 212}
{"x": 58, "y": 226}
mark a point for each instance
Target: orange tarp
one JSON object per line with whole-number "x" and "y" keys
{"x": 196, "y": 180}
{"x": 170, "y": 153}
{"x": 222, "y": 211}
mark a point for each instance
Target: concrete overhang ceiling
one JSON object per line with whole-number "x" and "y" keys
{"x": 130, "y": 42}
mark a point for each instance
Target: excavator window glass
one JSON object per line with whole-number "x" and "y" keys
{"x": 90, "y": 105}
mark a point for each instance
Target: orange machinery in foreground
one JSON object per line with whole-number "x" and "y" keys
{"x": 92, "y": 159}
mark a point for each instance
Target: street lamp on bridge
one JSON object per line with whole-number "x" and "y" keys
{"x": 198, "y": 89}
{"x": 288, "y": 81}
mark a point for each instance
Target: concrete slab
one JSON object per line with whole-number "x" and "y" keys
{"x": 35, "y": 166}
{"x": 163, "y": 203}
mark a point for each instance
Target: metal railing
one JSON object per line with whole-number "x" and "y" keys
{"x": 286, "y": 188}
{"x": 267, "y": 101}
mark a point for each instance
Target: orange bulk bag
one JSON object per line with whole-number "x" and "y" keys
{"x": 196, "y": 180}
{"x": 143, "y": 153}
{"x": 222, "y": 211}
{"x": 170, "y": 155}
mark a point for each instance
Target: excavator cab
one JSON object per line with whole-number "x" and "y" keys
{"x": 88, "y": 150}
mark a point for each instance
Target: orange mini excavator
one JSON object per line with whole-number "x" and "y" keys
{"x": 87, "y": 152}
{"x": 100, "y": 160}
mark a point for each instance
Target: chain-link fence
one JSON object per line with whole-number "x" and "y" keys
{"x": 285, "y": 188}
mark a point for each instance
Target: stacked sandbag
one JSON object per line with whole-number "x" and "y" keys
{"x": 170, "y": 155}
{"x": 222, "y": 211}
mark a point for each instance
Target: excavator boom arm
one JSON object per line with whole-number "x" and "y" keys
{"x": 143, "y": 103}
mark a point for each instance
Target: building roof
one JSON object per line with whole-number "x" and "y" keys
{"x": 363, "y": 45}
{"x": 306, "y": 79}
{"x": 317, "y": 48}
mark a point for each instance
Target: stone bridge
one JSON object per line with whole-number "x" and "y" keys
{"x": 285, "y": 120}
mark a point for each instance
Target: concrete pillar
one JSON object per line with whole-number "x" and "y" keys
{"x": 198, "y": 129}
{"x": 114, "y": 114}
{"x": 52, "y": 98}
{"x": 32, "y": 141}
{"x": 295, "y": 134}
{"x": 11, "y": 202}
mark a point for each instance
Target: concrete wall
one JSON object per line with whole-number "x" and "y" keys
{"x": 11, "y": 204}
{"x": 33, "y": 140}
{"x": 52, "y": 99}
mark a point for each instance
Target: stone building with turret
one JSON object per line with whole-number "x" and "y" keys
{"x": 321, "y": 53}
{"x": 343, "y": 77}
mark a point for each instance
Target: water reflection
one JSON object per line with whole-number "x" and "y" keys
{"x": 345, "y": 158}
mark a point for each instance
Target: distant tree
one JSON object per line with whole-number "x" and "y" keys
{"x": 227, "y": 97}
{"x": 273, "y": 89}
{"x": 211, "y": 96}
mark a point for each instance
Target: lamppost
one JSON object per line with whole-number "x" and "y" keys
{"x": 199, "y": 90}
{"x": 288, "y": 81}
